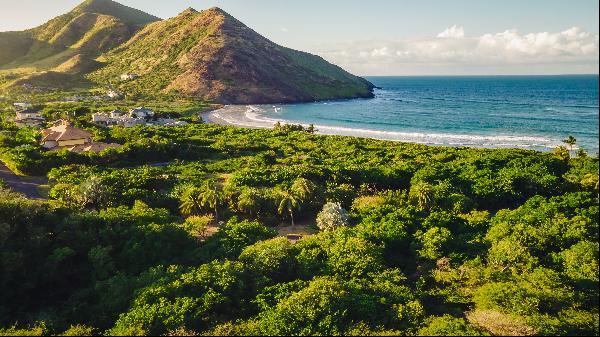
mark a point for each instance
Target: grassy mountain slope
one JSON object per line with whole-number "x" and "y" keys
{"x": 212, "y": 55}
{"x": 90, "y": 29}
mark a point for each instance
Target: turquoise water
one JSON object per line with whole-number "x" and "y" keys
{"x": 532, "y": 112}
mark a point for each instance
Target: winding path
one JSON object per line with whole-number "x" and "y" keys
{"x": 27, "y": 186}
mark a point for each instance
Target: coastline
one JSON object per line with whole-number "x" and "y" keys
{"x": 249, "y": 116}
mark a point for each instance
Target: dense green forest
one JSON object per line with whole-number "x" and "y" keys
{"x": 409, "y": 239}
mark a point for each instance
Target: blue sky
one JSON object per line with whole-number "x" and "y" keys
{"x": 382, "y": 37}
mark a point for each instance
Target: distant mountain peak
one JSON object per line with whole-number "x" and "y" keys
{"x": 109, "y": 7}
{"x": 212, "y": 55}
{"x": 93, "y": 3}
{"x": 189, "y": 10}
{"x": 216, "y": 10}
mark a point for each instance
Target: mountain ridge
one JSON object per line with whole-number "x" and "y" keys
{"x": 93, "y": 27}
{"x": 212, "y": 55}
{"x": 206, "y": 54}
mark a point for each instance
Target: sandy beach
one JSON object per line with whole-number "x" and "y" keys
{"x": 251, "y": 116}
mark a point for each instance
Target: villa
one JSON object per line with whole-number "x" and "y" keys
{"x": 116, "y": 113}
{"x": 66, "y": 136}
{"x": 137, "y": 116}
{"x": 29, "y": 117}
{"x": 118, "y": 118}
{"x": 141, "y": 112}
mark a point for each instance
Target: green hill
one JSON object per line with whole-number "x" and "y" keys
{"x": 208, "y": 55}
{"x": 90, "y": 29}
{"x": 212, "y": 55}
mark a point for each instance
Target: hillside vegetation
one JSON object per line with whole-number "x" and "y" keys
{"x": 87, "y": 31}
{"x": 208, "y": 55}
{"x": 212, "y": 55}
{"x": 411, "y": 239}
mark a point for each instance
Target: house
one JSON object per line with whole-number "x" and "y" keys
{"x": 129, "y": 122}
{"x": 116, "y": 117}
{"x": 101, "y": 119}
{"x": 64, "y": 135}
{"x": 141, "y": 112}
{"x": 116, "y": 113}
{"x": 29, "y": 117}
{"x": 23, "y": 105}
{"x": 28, "y": 113}
{"x": 128, "y": 77}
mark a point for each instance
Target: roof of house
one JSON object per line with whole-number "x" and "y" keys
{"x": 64, "y": 132}
{"x": 141, "y": 109}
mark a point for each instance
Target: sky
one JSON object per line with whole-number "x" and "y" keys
{"x": 398, "y": 37}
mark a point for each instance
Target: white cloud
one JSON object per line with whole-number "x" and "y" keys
{"x": 570, "y": 51}
{"x": 454, "y": 32}
{"x": 284, "y": 29}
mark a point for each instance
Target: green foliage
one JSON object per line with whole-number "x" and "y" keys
{"x": 318, "y": 309}
{"x": 39, "y": 329}
{"x": 79, "y": 330}
{"x": 197, "y": 226}
{"x": 433, "y": 235}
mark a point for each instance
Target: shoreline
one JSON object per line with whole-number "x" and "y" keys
{"x": 248, "y": 116}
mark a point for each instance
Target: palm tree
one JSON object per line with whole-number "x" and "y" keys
{"x": 249, "y": 201}
{"x": 291, "y": 199}
{"x": 571, "y": 141}
{"x": 303, "y": 188}
{"x": 211, "y": 196}
{"x": 423, "y": 193}
{"x": 191, "y": 201}
{"x": 288, "y": 201}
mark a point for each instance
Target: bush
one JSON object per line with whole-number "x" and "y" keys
{"x": 332, "y": 217}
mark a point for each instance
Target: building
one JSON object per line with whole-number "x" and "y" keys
{"x": 117, "y": 118}
{"x": 23, "y": 105}
{"x": 141, "y": 112}
{"x": 129, "y": 122}
{"x": 116, "y": 113}
{"x": 138, "y": 116}
{"x": 128, "y": 77}
{"x": 101, "y": 119}
{"x": 66, "y": 136}
{"x": 29, "y": 117}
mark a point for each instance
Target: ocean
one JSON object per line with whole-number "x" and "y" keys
{"x": 529, "y": 112}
